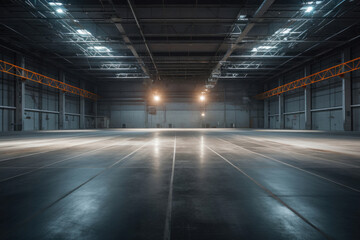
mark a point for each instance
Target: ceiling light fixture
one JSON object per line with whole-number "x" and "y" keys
{"x": 100, "y": 49}
{"x": 156, "y": 98}
{"x": 83, "y": 32}
{"x": 55, "y": 4}
{"x": 60, "y": 10}
{"x": 309, "y": 9}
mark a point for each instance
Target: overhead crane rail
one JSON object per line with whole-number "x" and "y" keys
{"x": 39, "y": 78}
{"x": 338, "y": 70}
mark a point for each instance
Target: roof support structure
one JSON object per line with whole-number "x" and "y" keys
{"x": 338, "y": 70}
{"x": 127, "y": 41}
{"x": 42, "y": 79}
{"x": 259, "y": 12}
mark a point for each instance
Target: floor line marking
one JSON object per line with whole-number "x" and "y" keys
{"x": 35, "y": 153}
{"x": 167, "y": 230}
{"x": 79, "y": 186}
{"x": 66, "y": 159}
{"x": 323, "y": 159}
{"x": 292, "y": 166}
{"x": 271, "y": 194}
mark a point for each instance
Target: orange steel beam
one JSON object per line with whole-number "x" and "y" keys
{"x": 39, "y": 78}
{"x": 338, "y": 70}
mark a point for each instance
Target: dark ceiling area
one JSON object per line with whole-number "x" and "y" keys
{"x": 177, "y": 41}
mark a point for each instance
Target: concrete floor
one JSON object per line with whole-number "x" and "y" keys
{"x": 179, "y": 184}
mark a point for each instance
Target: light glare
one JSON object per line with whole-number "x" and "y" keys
{"x": 202, "y": 98}
{"x": 100, "y": 49}
{"x": 309, "y": 9}
{"x": 83, "y": 32}
{"x": 55, "y": 4}
{"x": 59, "y": 10}
{"x": 156, "y": 98}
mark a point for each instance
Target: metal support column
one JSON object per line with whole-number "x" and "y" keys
{"x": 20, "y": 98}
{"x": 266, "y": 109}
{"x": 82, "y": 108}
{"x": 307, "y": 100}
{"x": 225, "y": 124}
{"x": 62, "y": 103}
{"x": 346, "y": 93}
{"x": 96, "y": 109}
{"x": 266, "y": 113}
{"x": 281, "y": 107}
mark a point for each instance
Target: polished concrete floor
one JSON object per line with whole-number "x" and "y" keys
{"x": 179, "y": 184}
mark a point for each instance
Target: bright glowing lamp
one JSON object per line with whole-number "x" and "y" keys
{"x": 156, "y": 98}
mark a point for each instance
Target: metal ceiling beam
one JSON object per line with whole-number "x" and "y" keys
{"x": 143, "y": 37}
{"x": 259, "y": 12}
{"x": 101, "y": 57}
{"x": 264, "y": 56}
{"x": 178, "y": 20}
{"x": 127, "y": 41}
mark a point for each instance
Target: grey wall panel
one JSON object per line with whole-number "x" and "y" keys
{"x": 182, "y": 115}
{"x": 72, "y": 122}
{"x": 72, "y": 104}
{"x": 321, "y": 120}
{"x": 32, "y": 121}
{"x": 274, "y": 122}
{"x": 327, "y": 120}
{"x": 294, "y": 102}
{"x": 356, "y": 119}
{"x": 49, "y": 121}
{"x": 89, "y": 122}
{"x": 273, "y": 105}
{"x": 7, "y": 120}
{"x": 327, "y": 94}
{"x": 295, "y": 121}
{"x": 127, "y": 118}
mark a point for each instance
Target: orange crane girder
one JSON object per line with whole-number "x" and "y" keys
{"x": 39, "y": 78}
{"x": 338, "y": 70}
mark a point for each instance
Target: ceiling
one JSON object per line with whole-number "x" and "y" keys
{"x": 178, "y": 41}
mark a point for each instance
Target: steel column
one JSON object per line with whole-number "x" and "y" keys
{"x": 346, "y": 93}
{"x": 82, "y": 107}
{"x": 307, "y": 100}
{"x": 96, "y": 109}
{"x": 62, "y": 103}
{"x": 266, "y": 113}
{"x": 281, "y": 107}
{"x": 20, "y": 97}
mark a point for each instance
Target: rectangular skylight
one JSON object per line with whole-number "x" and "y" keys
{"x": 100, "y": 49}
{"x": 283, "y": 31}
{"x": 266, "y": 47}
{"x": 83, "y": 32}
{"x": 309, "y": 9}
{"x": 55, "y": 4}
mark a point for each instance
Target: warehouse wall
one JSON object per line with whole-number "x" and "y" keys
{"x": 127, "y": 105}
{"x": 327, "y": 106}
{"x": 180, "y": 115}
{"x": 41, "y": 103}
